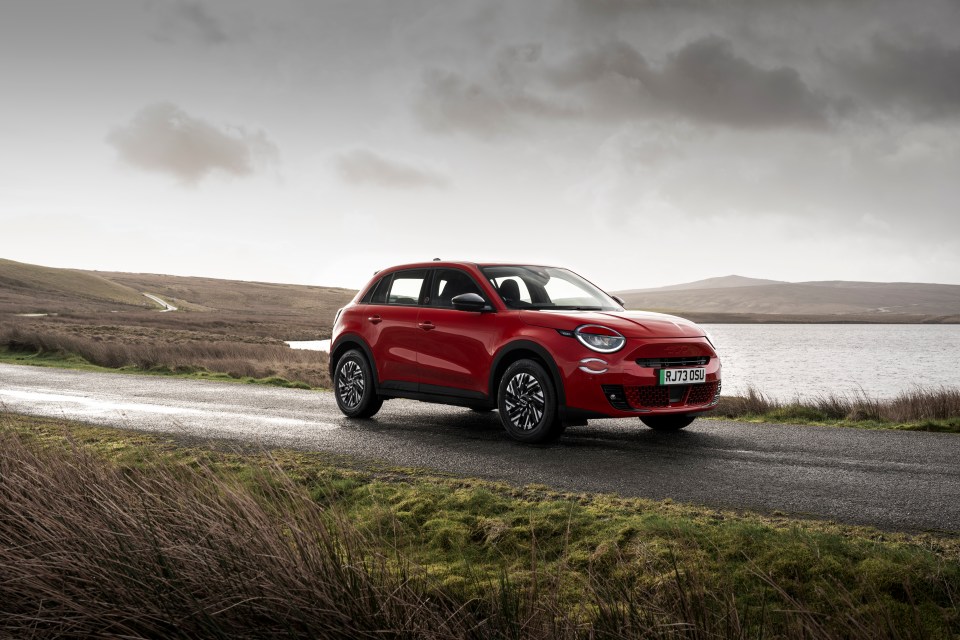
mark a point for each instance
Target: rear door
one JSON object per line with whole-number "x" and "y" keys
{"x": 391, "y": 328}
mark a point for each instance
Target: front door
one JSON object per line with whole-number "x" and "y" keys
{"x": 456, "y": 350}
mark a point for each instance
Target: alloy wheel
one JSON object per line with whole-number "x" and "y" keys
{"x": 350, "y": 384}
{"x": 524, "y": 401}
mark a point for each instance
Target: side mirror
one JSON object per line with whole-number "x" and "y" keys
{"x": 469, "y": 302}
{"x": 619, "y": 301}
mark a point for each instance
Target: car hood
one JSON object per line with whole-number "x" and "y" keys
{"x": 632, "y": 324}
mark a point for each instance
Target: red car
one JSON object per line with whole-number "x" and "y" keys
{"x": 540, "y": 344}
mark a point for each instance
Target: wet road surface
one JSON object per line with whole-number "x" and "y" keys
{"x": 894, "y": 480}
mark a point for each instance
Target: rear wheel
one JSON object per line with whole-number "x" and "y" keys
{"x": 528, "y": 403}
{"x": 353, "y": 386}
{"x": 667, "y": 423}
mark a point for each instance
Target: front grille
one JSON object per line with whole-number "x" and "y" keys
{"x": 645, "y": 397}
{"x": 680, "y": 361}
{"x": 704, "y": 393}
{"x": 653, "y": 396}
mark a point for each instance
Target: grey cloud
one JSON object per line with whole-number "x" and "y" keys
{"x": 707, "y": 81}
{"x": 924, "y": 78}
{"x": 185, "y": 20}
{"x": 703, "y": 81}
{"x": 448, "y": 103}
{"x": 364, "y": 167}
{"x": 165, "y": 139}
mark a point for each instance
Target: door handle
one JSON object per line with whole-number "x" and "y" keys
{"x": 426, "y": 325}
{"x": 375, "y": 319}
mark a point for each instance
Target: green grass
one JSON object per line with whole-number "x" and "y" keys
{"x": 584, "y": 563}
{"x": 919, "y": 409}
{"x": 68, "y": 361}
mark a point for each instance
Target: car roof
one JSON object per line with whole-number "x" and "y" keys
{"x": 457, "y": 263}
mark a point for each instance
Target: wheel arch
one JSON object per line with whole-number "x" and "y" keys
{"x": 519, "y": 350}
{"x": 346, "y": 343}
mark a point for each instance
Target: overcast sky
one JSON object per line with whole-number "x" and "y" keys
{"x": 639, "y": 142}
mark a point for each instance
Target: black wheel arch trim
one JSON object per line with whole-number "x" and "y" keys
{"x": 542, "y": 353}
{"x": 345, "y": 342}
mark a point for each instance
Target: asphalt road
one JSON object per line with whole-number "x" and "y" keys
{"x": 894, "y": 480}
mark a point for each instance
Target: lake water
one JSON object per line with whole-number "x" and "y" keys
{"x": 789, "y": 360}
{"x": 312, "y": 345}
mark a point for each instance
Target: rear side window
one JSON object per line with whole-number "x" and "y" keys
{"x": 378, "y": 292}
{"x": 406, "y": 287}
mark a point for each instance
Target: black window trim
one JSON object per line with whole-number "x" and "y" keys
{"x": 367, "y": 298}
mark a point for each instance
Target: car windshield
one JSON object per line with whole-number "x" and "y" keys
{"x": 528, "y": 287}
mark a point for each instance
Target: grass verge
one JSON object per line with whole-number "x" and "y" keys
{"x": 114, "y": 533}
{"x": 920, "y": 409}
{"x": 61, "y": 360}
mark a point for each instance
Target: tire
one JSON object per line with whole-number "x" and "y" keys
{"x": 353, "y": 386}
{"x": 528, "y": 403}
{"x": 667, "y": 423}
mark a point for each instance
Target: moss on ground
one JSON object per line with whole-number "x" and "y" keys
{"x": 469, "y": 533}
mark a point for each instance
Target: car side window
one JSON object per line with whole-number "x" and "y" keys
{"x": 378, "y": 292}
{"x": 513, "y": 290}
{"x": 406, "y": 286}
{"x": 449, "y": 283}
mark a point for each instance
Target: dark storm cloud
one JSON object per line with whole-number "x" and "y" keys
{"x": 448, "y": 102}
{"x": 184, "y": 20}
{"x": 923, "y": 78}
{"x": 364, "y": 167}
{"x": 704, "y": 81}
{"x": 163, "y": 138}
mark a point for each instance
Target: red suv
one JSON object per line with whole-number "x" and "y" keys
{"x": 540, "y": 344}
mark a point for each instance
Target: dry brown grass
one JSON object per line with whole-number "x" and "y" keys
{"x": 179, "y": 352}
{"x": 90, "y": 548}
{"x": 916, "y": 405}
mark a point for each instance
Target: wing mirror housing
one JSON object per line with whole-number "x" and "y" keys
{"x": 470, "y": 302}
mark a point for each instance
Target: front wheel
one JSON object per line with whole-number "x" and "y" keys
{"x": 528, "y": 403}
{"x": 353, "y": 386}
{"x": 667, "y": 423}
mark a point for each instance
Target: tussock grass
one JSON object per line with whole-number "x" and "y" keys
{"x": 110, "y": 534}
{"x": 936, "y": 409}
{"x": 237, "y": 359}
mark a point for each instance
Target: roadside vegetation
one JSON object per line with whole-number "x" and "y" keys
{"x": 110, "y": 533}
{"x": 919, "y": 409}
{"x": 164, "y": 351}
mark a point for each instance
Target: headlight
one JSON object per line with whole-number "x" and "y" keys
{"x": 706, "y": 334}
{"x": 598, "y": 338}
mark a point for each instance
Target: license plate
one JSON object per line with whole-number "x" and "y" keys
{"x": 683, "y": 376}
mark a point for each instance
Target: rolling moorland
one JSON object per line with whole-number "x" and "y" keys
{"x": 738, "y": 299}
{"x": 399, "y": 551}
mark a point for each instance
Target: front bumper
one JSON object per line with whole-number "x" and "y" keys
{"x": 616, "y": 385}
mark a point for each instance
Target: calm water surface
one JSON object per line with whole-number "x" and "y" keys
{"x": 789, "y": 360}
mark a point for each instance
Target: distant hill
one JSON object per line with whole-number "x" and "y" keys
{"x": 27, "y": 288}
{"x": 830, "y": 301}
{"x": 722, "y": 282}
{"x": 32, "y": 288}
{"x": 209, "y": 294}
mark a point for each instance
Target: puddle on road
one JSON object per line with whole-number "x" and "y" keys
{"x": 84, "y": 406}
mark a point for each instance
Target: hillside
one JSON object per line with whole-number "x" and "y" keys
{"x": 830, "y": 301}
{"x": 722, "y": 282}
{"x": 209, "y": 294}
{"x": 207, "y": 305}
{"x": 27, "y": 288}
